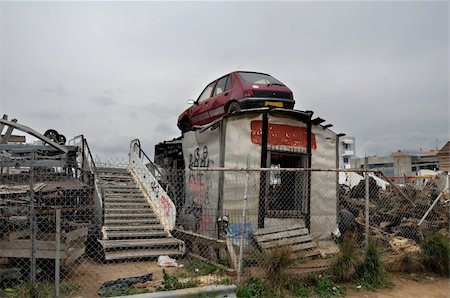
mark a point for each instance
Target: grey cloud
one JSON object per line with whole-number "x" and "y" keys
{"x": 56, "y": 89}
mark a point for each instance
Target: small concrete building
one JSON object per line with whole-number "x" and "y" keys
{"x": 444, "y": 158}
{"x": 254, "y": 139}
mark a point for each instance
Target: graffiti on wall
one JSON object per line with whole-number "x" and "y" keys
{"x": 198, "y": 186}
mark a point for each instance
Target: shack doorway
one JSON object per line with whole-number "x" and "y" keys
{"x": 287, "y": 190}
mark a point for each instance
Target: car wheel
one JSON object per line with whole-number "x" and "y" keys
{"x": 234, "y": 107}
{"x": 185, "y": 126}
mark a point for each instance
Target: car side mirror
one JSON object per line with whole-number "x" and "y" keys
{"x": 191, "y": 101}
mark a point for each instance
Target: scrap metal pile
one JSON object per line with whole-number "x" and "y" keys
{"x": 398, "y": 211}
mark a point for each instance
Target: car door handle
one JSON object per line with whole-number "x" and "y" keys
{"x": 226, "y": 93}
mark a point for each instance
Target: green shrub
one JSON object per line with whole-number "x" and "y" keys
{"x": 298, "y": 288}
{"x": 347, "y": 262}
{"x": 275, "y": 263}
{"x": 371, "y": 273}
{"x": 171, "y": 282}
{"x": 436, "y": 254}
{"x": 325, "y": 287}
{"x": 203, "y": 268}
{"x": 254, "y": 287}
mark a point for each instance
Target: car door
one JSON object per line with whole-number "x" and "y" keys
{"x": 200, "y": 110}
{"x": 220, "y": 97}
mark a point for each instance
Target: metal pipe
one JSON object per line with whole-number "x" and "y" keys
{"x": 214, "y": 169}
{"x": 366, "y": 180}
{"x": 58, "y": 251}
{"x": 33, "y": 230}
{"x": 243, "y": 229}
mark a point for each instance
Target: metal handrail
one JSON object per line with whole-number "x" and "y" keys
{"x": 154, "y": 168}
{"x": 94, "y": 171}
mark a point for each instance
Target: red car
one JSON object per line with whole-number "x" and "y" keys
{"x": 233, "y": 92}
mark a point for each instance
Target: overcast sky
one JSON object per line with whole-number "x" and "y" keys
{"x": 115, "y": 71}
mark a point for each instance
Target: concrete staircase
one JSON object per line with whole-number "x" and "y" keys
{"x": 131, "y": 229}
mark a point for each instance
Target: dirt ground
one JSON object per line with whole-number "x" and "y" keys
{"x": 405, "y": 285}
{"x": 90, "y": 275}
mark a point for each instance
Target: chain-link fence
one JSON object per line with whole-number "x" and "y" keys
{"x": 109, "y": 228}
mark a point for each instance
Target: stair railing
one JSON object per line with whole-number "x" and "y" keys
{"x": 87, "y": 164}
{"x": 146, "y": 173}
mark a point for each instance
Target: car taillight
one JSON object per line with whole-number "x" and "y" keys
{"x": 249, "y": 93}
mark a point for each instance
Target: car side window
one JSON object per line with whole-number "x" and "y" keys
{"x": 221, "y": 85}
{"x": 206, "y": 93}
{"x": 228, "y": 84}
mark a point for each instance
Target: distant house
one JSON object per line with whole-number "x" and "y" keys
{"x": 444, "y": 157}
{"x": 400, "y": 163}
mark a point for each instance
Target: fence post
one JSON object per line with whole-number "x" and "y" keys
{"x": 57, "y": 252}
{"x": 243, "y": 229}
{"x": 32, "y": 214}
{"x": 366, "y": 223}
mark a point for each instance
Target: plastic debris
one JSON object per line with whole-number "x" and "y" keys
{"x": 166, "y": 261}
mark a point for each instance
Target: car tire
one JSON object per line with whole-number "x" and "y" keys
{"x": 185, "y": 126}
{"x": 233, "y": 107}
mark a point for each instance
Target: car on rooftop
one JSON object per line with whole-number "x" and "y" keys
{"x": 232, "y": 93}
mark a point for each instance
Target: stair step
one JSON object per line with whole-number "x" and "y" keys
{"x": 142, "y": 208}
{"x": 109, "y": 170}
{"x": 107, "y": 244}
{"x": 141, "y": 253}
{"x": 127, "y": 206}
{"x": 131, "y": 215}
{"x": 131, "y": 221}
{"x": 125, "y": 200}
{"x": 123, "y": 194}
{"x": 129, "y": 210}
{"x": 151, "y": 227}
{"x": 126, "y": 234}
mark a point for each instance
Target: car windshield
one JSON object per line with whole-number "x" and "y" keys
{"x": 259, "y": 78}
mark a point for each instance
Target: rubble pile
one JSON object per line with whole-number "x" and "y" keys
{"x": 395, "y": 212}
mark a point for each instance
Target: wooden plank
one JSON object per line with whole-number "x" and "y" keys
{"x": 7, "y": 135}
{"x": 26, "y": 253}
{"x": 26, "y": 244}
{"x": 17, "y": 234}
{"x": 73, "y": 255}
{"x": 2, "y": 125}
{"x": 217, "y": 243}
{"x": 232, "y": 258}
{"x": 75, "y": 234}
{"x": 286, "y": 241}
{"x": 303, "y": 246}
{"x": 281, "y": 235}
{"x": 305, "y": 253}
{"x": 15, "y": 139}
{"x": 277, "y": 229}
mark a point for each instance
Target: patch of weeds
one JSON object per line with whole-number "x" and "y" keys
{"x": 298, "y": 288}
{"x": 125, "y": 292}
{"x": 69, "y": 287}
{"x": 226, "y": 280}
{"x": 347, "y": 262}
{"x": 254, "y": 287}
{"x": 325, "y": 287}
{"x": 203, "y": 268}
{"x": 415, "y": 276}
{"x": 224, "y": 261}
{"x": 41, "y": 290}
{"x": 275, "y": 263}
{"x": 371, "y": 273}
{"x": 436, "y": 254}
{"x": 171, "y": 282}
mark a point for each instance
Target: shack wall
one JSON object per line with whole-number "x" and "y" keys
{"x": 199, "y": 212}
{"x": 323, "y": 184}
{"x": 240, "y": 152}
